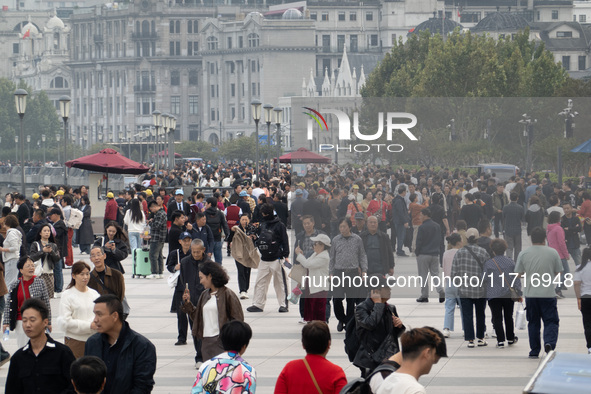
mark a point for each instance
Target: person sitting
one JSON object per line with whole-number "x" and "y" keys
{"x": 235, "y": 336}
{"x": 314, "y": 373}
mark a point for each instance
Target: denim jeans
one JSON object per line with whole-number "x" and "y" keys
{"x": 135, "y": 240}
{"x": 451, "y": 300}
{"x": 58, "y": 277}
{"x": 156, "y": 260}
{"x": 217, "y": 251}
{"x": 576, "y": 255}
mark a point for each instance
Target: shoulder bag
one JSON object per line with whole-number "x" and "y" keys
{"x": 515, "y": 297}
{"x": 312, "y": 376}
{"x": 174, "y": 278}
{"x": 126, "y": 307}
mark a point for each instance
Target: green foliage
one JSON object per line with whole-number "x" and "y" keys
{"x": 40, "y": 118}
{"x": 466, "y": 66}
{"x": 200, "y": 149}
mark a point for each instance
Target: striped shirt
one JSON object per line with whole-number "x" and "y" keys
{"x": 347, "y": 253}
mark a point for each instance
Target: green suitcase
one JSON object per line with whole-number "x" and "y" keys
{"x": 141, "y": 263}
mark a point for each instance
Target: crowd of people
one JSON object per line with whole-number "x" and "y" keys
{"x": 347, "y": 222}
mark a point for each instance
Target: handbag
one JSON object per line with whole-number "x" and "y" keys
{"x": 520, "y": 321}
{"x": 312, "y": 376}
{"x": 298, "y": 272}
{"x": 515, "y": 297}
{"x": 174, "y": 277}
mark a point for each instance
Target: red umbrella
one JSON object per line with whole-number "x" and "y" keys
{"x": 303, "y": 155}
{"x": 109, "y": 161}
{"x": 165, "y": 154}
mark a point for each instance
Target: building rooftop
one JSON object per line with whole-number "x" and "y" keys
{"x": 435, "y": 25}
{"x": 501, "y": 21}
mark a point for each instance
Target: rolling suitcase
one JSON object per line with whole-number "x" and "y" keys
{"x": 141, "y": 263}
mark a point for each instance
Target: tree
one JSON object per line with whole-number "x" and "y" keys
{"x": 40, "y": 118}
{"x": 462, "y": 78}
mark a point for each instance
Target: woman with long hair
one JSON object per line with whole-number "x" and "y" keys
{"x": 76, "y": 316}
{"x": 114, "y": 242}
{"x": 135, "y": 220}
{"x": 216, "y": 306}
{"x": 582, "y": 280}
{"x": 45, "y": 254}
{"x": 85, "y": 232}
{"x": 27, "y": 286}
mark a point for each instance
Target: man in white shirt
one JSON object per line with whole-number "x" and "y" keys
{"x": 257, "y": 191}
{"x": 421, "y": 349}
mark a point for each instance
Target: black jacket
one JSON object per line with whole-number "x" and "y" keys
{"x": 114, "y": 257}
{"x": 190, "y": 274}
{"x": 428, "y": 238}
{"x": 378, "y": 338}
{"x": 386, "y": 254}
{"x": 61, "y": 238}
{"x": 472, "y": 214}
{"x": 281, "y": 209}
{"x": 173, "y": 206}
{"x": 205, "y": 234}
{"x": 32, "y": 234}
{"x": 216, "y": 221}
{"x": 47, "y": 373}
{"x": 244, "y": 205}
{"x": 400, "y": 214}
{"x": 272, "y": 223}
{"x": 136, "y": 363}
{"x": 174, "y": 258}
{"x": 572, "y": 234}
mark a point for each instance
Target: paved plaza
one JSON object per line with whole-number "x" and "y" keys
{"x": 276, "y": 338}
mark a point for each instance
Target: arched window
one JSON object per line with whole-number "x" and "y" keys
{"x": 253, "y": 40}
{"x": 214, "y": 139}
{"x": 212, "y": 43}
{"x": 137, "y": 27}
{"x": 145, "y": 28}
{"x": 59, "y": 83}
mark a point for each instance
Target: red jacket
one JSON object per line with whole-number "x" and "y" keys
{"x": 111, "y": 209}
{"x": 295, "y": 378}
{"x": 556, "y": 239}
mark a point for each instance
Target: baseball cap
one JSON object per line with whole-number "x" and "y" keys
{"x": 472, "y": 232}
{"x": 359, "y": 216}
{"x": 184, "y": 235}
{"x": 302, "y": 184}
{"x": 149, "y": 192}
{"x": 110, "y": 195}
{"x": 35, "y": 196}
{"x": 179, "y": 191}
{"x": 321, "y": 238}
{"x": 59, "y": 193}
{"x": 298, "y": 192}
{"x": 355, "y": 186}
{"x": 243, "y": 193}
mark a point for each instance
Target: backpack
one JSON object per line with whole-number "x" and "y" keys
{"x": 268, "y": 245}
{"x": 75, "y": 220}
{"x": 361, "y": 385}
{"x": 214, "y": 222}
{"x": 351, "y": 339}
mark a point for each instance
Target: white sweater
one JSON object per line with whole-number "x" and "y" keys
{"x": 133, "y": 227}
{"x": 76, "y": 313}
{"x": 13, "y": 243}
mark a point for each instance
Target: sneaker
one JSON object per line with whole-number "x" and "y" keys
{"x": 514, "y": 341}
{"x": 589, "y": 351}
{"x": 160, "y": 276}
{"x": 500, "y": 345}
{"x": 559, "y": 295}
{"x": 547, "y": 348}
{"x": 243, "y": 295}
{"x": 283, "y": 309}
{"x": 470, "y": 343}
{"x": 152, "y": 276}
{"x": 446, "y": 333}
{"x": 401, "y": 254}
{"x": 5, "y": 359}
{"x": 180, "y": 343}
{"x": 533, "y": 357}
{"x": 442, "y": 297}
{"x": 57, "y": 295}
{"x": 254, "y": 308}
{"x": 340, "y": 326}
{"x": 302, "y": 321}
{"x": 482, "y": 342}
{"x": 421, "y": 299}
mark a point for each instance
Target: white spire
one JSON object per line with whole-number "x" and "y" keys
{"x": 311, "y": 85}
{"x": 304, "y": 86}
{"x": 326, "y": 83}
{"x": 361, "y": 80}
{"x": 345, "y": 80}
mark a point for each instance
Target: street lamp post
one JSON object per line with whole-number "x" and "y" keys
{"x": 20, "y": 99}
{"x": 65, "y": 113}
{"x": 121, "y": 142}
{"x": 165, "y": 127}
{"x": 43, "y": 140}
{"x": 528, "y": 132}
{"x": 171, "y": 129}
{"x": 156, "y": 121}
{"x": 29, "y": 147}
{"x": 278, "y": 111}
{"x": 16, "y": 150}
{"x": 268, "y": 119}
{"x": 256, "y": 116}
{"x": 57, "y": 139}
